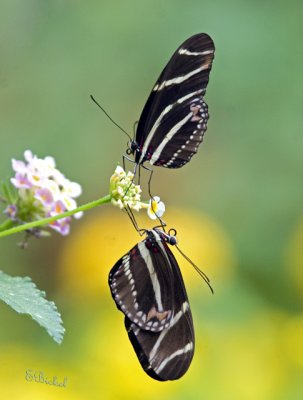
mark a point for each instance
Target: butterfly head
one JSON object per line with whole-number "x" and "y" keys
{"x": 169, "y": 237}
{"x": 132, "y": 147}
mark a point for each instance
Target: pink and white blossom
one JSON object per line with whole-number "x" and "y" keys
{"x": 43, "y": 191}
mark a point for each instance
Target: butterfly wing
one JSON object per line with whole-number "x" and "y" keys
{"x": 141, "y": 283}
{"x": 174, "y": 119}
{"x": 167, "y": 355}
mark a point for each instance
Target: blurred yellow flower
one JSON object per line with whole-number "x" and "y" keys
{"x": 293, "y": 340}
{"x": 105, "y": 237}
{"x": 111, "y": 355}
{"x": 91, "y": 252}
{"x": 206, "y": 243}
{"x": 245, "y": 355}
{"x": 294, "y": 257}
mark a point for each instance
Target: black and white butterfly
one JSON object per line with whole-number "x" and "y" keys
{"x": 174, "y": 118}
{"x": 147, "y": 286}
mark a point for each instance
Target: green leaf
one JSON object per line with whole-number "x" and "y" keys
{"x": 24, "y": 297}
{"x": 10, "y": 193}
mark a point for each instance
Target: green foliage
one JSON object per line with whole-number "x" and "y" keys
{"x": 24, "y": 297}
{"x": 8, "y": 192}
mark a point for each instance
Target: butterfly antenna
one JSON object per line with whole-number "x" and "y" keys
{"x": 109, "y": 117}
{"x": 201, "y": 273}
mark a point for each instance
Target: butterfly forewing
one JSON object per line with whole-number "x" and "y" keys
{"x": 141, "y": 284}
{"x": 174, "y": 118}
{"x": 167, "y": 355}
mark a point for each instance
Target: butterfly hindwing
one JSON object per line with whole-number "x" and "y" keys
{"x": 175, "y": 116}
{"x": 167, "y": 355}
{"x": 141, "y": 284}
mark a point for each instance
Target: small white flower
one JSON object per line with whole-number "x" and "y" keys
{"x": 72, "y": 189}
{"x": 78, "y": 215}
{"x": 69, "y": 202}
{"x": 50, "y": 161}
{"x": 137, "y": 207}
{"x": 28, "y": 155}
{"x": 156, "y": 208}
{"x": 19, "y": 166}
{"x": 118, "y": 203}
{"x": 36, "y": 177}
{"x": 119, "y": 170}
{"x": 53, "y": 187}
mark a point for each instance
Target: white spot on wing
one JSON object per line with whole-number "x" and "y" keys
{"x": 168, "y": 137}
{"x": 153, "y": 276}
{"x": 181, "y": 78}
{"x": 195, "y": 53}
{"x": 166, "y": 110}
{"x": 188, "y": 347}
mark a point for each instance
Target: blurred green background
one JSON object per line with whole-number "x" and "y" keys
{"x": 237, "y": 207}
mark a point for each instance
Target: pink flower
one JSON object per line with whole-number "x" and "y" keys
{"x": 11, "y": 211}
{"x": 45, "y": 196}
{"x": 61, "y": 225}
{"x": 43, "y": 191}
{"x": 21, "y": 181}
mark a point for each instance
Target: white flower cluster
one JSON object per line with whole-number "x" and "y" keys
{"x": 124, "y": 193}
{"x": 43, "y": 191}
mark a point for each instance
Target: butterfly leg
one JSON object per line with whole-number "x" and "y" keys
{"x": 130, "y": 160}
{"x": 127, "y": 208}
{"x": 134, "y": 172}
{"x": 162, "y": 223}
{"x": 134, "y": 221}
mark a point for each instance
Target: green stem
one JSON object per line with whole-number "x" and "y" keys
{"x": 45, "y": 221}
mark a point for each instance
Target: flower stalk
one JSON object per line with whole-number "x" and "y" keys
{"x": 45, "y": 221}
{"x": 39, "y": 195}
